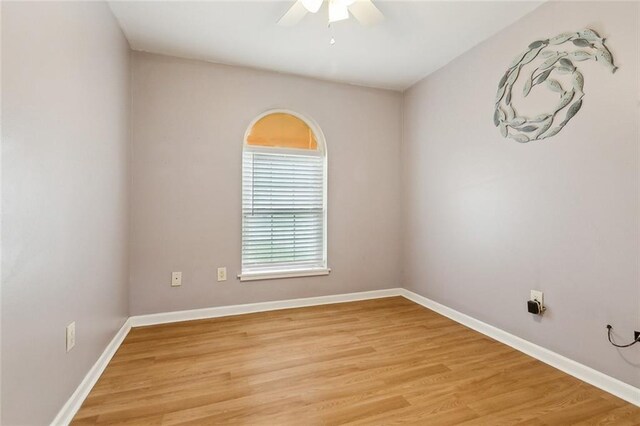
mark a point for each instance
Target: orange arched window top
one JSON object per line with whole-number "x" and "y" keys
{"x": 282, "y": 130}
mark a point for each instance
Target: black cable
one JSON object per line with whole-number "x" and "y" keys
{"x": 609, "y": 328}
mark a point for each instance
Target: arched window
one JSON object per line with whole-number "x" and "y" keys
{"x": 284, "y": 206}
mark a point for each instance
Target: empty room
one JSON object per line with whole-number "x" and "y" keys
{"x": 320, "y": 212}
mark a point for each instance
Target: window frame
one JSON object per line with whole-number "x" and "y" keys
{"x": 321, "y": 152}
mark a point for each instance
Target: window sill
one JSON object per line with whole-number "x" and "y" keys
{"x": 255, "y": 276}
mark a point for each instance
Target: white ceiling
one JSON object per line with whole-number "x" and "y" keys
{"x": 416, "y": 38}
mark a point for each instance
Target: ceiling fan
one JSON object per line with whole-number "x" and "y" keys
{"x": 364, "y": 11}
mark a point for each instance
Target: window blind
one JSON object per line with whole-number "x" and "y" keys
{"x": 282, "y": 212}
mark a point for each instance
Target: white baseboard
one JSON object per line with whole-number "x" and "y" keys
{"x": 69, "y": 410}
{"x": 223, "y": 311}
{"x": 587, "y": 374}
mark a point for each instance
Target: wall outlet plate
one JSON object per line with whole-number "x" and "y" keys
{"x": 71, "y": 336}
{"x": 176, "y": 279}
{"x": 222, "y": 274}
{"x": 537, "y": 295}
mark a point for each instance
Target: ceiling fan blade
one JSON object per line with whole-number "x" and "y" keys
{"x": 293, "y": 15}
{"x": 312, "y": 5}
{"x": 366, "y": 12}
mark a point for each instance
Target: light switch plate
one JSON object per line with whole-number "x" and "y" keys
{"x": 222, "y": 274}
{"x": 176, "y": 279}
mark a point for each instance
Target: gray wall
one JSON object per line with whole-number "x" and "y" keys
{"x": 487, "y": 219}
{"x": 189, "y": 120}
{"x": 65, "y": 177}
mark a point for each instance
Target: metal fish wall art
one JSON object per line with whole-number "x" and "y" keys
{"x": 581, "y": 46}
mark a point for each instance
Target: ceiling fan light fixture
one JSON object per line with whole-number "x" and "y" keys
{"x": 364, "y": 11}
{"x": 312, "y": 5}
{"x": 338, "y": 11}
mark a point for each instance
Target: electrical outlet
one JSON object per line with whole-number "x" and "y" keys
{"x": 71, "y": 336}
{"x": 537, "y": 295}
{"x": 636, "y": 335}
{"x": 176, "y": 279}
{"x": 222, "y": 274}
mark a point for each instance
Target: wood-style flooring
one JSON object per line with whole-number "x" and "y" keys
{"x": 375, "y": 362}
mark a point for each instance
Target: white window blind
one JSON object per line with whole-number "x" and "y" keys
{"x": 282, "y": 212}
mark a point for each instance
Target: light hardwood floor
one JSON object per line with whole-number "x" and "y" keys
{"x": 381, "y": 361}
